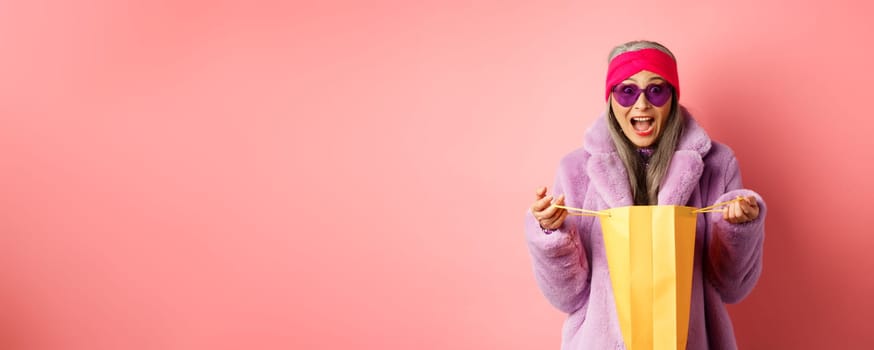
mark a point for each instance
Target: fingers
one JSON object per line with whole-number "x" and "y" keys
{"x": 555, "y": 220}
{"x": 550, "y": 211}
{"x": 751, "y": 208}
{"x": 549, "y": 216}
{"x": 541, "y": 204}
{"x": 744, "y": 210}
{"x": 554, "y": 223}
{"x": 540, "y": 192}
{"x": 729, "y": 213}
{"x": 740, "y": 215}
{"x": 753, "y": 203}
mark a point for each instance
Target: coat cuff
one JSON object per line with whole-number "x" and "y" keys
{"x": 553, "y": 244}
{"x": 742, "y": 232}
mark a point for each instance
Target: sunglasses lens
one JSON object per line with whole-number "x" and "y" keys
{"x": 658, "y": 94}
{"x": 626, "y": 94}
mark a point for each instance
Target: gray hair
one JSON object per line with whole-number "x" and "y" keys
{"x": 646, "y": 180}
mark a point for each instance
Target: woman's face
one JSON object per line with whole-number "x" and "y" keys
{"x": 642, "y": 122}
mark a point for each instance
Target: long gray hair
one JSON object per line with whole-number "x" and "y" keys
{"x": 646, "y": 180}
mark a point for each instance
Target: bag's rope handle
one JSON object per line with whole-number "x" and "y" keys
{"x": 582, "y": 212}
{"x": 711, "y": 209}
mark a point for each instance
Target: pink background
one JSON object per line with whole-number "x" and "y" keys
{"x": 265, "y": 175}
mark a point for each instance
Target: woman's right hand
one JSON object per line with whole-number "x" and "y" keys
{"x": 547, "y": 215}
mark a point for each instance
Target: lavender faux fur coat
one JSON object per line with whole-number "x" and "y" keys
{"x": 570, "y": 265}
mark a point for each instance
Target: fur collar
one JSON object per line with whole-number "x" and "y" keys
{"x": 607, "y": 173}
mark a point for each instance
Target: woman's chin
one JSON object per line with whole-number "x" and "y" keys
{"x": 645, "y": 138}
{"x": 641, "y": 141}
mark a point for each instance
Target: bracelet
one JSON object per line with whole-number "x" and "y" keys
{"x": 548, "y": 230}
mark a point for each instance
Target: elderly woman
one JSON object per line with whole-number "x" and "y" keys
{"x": 645, "y": 150}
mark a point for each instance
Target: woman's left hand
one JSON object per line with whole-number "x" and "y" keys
{"x": 744, "y": 210}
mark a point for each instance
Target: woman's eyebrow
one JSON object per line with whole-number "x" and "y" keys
{"x": 648, "y": 80}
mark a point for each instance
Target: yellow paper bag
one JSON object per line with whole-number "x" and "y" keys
{"x": 650, "y": 254}
{"x": 650, "y": 251}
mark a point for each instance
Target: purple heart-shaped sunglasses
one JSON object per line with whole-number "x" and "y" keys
{"x": 657, "y": 94}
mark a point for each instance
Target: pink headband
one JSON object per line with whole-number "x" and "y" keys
{"x": 653, "y": 60}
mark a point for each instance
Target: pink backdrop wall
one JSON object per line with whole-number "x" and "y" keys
{"x": 266, "y": 175}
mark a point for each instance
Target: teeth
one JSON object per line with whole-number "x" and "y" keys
{"x": 641, "y": 119}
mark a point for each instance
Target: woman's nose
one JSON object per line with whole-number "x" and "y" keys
{"x": 642, "y": 102}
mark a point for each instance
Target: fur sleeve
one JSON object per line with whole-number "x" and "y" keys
{"x": 735, "y": 250}
{"x": 560, "y": 265}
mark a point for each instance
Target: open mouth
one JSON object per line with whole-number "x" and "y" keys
{"x": 643, "y": 126}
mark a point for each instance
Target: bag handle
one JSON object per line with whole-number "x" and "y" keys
{"x": 716, "y": 207}
{"x": 582, "y": 212}
{"x": 711, "y": 209}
